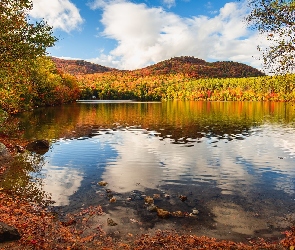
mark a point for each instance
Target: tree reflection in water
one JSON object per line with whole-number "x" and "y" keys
{"x": 23, "y": 179}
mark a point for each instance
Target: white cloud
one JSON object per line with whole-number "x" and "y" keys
{"x": 103, "y": 3}
{"x": 169, "y": 3}
{"x": 148, "y": 35}
{"x": 60, "y": 14}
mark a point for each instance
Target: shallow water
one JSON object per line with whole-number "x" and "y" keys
{"x": 234, "y": 161}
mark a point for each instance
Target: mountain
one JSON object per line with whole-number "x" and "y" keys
{"x": 198, "y": 68}
{"x": 186, "y": 65}
{"x": 79, "y": 67}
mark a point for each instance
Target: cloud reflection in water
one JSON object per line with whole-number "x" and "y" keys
{"x": 61, "y": 183}
{"x": 134, "y": 160}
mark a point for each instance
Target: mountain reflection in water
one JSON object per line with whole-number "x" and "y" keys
{"x": 232, "y": 159}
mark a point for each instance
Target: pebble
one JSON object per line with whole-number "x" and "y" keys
{"x": 113, "y": 199}
{"x": 167, "y": 196}
{"x": 111, "y": 222}
{"x": 163, "y": 213}
{"x": 182, "y": 198}
{"x": 149, "y": 200}
{"x": 137, "y": 197}
{"x": 156, "y": 196}
{"x": 178, "y": 214}
{"x": 102, "y": 183}
{"x": 195, "y": 211}
{"x": 152, "y": 208}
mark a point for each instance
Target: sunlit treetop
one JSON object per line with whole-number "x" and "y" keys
{"x": 20, "y": 39}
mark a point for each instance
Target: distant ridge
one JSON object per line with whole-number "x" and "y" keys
{"x": 78, "y": 67}
{"x": 186, "y": 65}
{"x": 198, "y": 68}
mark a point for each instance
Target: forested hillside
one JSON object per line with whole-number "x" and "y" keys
{"x": 197, "y": 68}
{"x": 77, "y": 67}
{"x": 187, "y": 65}
{"x": 179, "y": 78}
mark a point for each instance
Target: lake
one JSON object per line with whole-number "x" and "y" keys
{"x": 221, "y": 169}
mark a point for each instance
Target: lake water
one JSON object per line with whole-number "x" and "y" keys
{"x": 233, "y": 161}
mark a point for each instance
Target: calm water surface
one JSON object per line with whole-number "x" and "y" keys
{"x": 234, "y": 161}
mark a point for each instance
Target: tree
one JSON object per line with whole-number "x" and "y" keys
{"x": 20, "y": 39}
{"x": 276, "y": 19}
{"x": 21, "y": 43}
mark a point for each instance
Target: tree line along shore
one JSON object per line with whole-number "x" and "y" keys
{"x": 47, "y": 85}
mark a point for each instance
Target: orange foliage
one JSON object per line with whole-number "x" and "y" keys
{"x": 76, "y": 67}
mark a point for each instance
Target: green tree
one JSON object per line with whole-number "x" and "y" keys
{"x": 276, "y": 19}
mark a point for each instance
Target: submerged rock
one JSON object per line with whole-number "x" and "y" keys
{"x": 111, "y": 222}
{"x": 182, "y": 198}
{"x": 163, "y": 213}
{"x": 8, "y": 233}
{"x": 195, "y": 211}
{"x": 113, "y": 199}
{"x": 178, "y": 214}
{"x": 149, "y": 200}
{"x": 167, "y": 196}
{"x": 137, "y": 195}
{"x": 156, "y": 196}
{"x": 152, "y": 208}
{"x": 102, "y": 183}
{"x": 38, "y": 146}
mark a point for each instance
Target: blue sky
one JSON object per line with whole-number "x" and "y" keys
{"x": 131, "y": 34}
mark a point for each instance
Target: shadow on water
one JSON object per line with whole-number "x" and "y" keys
{"x": 233, "y": 161}
{"x": 24, "y": 179}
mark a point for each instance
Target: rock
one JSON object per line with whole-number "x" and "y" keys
{"x": 178, "y": 214}
{"x": 163, "y": 213}
{"x": 182, "y": 198}
{"x": 8, "y": 233}
{"x": 195, "y": 211}
{"x": 69, "y": 222}
{"x": 19, "y": 149}
{"x": 149, "y": 200}
{"x": 136, "y": 195}
{"x": 152, "y": 208}
{"x": 167, "y": 196}
{"x": 113, "y": 199}
{"x": 3, "y": 150}
{"x": 110, "y": 195}
{"x": 156, "y": 196}
{"x": 38, "y": 146}
{"x": 111, "y": 222}
{"x": 102, "y": 183}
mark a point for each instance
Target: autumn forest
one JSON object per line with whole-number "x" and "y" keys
{"x": 55, "y": 81}
{"x": 31, "y": 80}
